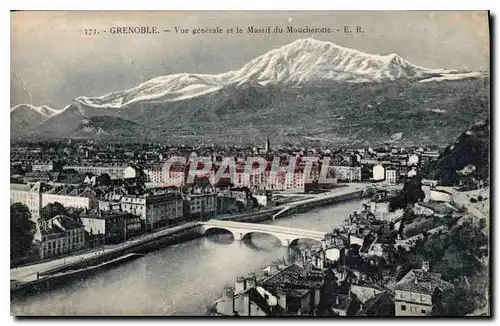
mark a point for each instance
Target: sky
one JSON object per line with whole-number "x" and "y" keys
{"x": 53, "y": 62}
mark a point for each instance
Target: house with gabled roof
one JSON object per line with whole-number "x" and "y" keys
{"x": 418, "y": 292}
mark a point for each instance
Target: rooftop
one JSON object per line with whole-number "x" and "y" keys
{"x": 375, "y": 303}
{"x": 440, "y": 208}
{"x": 420, "y": 281}
{"x": 290, "y": 280}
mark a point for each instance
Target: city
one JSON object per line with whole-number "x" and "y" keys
{"x": 93, "y": 203}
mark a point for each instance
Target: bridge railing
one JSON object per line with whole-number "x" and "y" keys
{"x": 267, "y": 228}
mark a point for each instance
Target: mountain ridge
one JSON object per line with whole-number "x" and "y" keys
{"x": 27, "y": 116}
{"x": 304, "y": 60}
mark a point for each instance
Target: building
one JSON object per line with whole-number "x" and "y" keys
{"x": 67, "y": 177}
{"x": 60, "y": 236}
{"x": 175, "y": 176}
{"x": 267, "y": 146}
{"x": 241, "y": 179}
{"x": 364, "y": 292}
{"x": 111, "y": 226}
{"x": 347, "y": 173}
{"x": 37, "y": 176}
{"x": 263, "y": 198}
{"x": 345, "y": 304}
{"x": 418, "y": 292}
{"x": 240, "y": 194}
{"x": 296, "y": 288}
{"x": 378, "y": 172}
{"x": 31, "y": 196}
{"x": 70, "y": 196}
{"x": 380, "y": 305}
{"x": 154, "y": 174}
{"x": 390, "y": 176}
{"x": 295, "y": 181}
{"x": 40, "y": 194}
{"x": 413, "y": 160}
{"x": 203, "y": 206}
{"x": 154, "y": 210}
{"x": 283, "y": 290}
{"x": 42, "y": 166}
{"x": 134, "y": 172}
{"x": 115, "y": 171}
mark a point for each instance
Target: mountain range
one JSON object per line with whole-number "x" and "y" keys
{"x": 305, "y": 90}
{"x": 25, "y": 116}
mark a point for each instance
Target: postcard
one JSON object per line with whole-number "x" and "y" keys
{"x": 250, "y": 163}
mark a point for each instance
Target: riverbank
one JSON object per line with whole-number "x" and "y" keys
{"x": 181, "y": 279}
{"x": 143, "y": 245}
{"x": 58, "y": 280}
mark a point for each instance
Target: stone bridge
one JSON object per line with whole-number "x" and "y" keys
{"x": 286, "y": 235}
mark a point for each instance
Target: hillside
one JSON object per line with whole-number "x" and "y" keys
{"x": 472, "y": 147}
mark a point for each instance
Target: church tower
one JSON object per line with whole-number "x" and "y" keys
{"x": 267, "y": 146}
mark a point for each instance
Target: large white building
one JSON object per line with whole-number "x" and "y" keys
{"x": 61, "y": 235}
{"x": 154, "y": 210}
{"x": 378, "y": 172}
{"x": 415, "y": 293}
{"x": 38, "y": 195}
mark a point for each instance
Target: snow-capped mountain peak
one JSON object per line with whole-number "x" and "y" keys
{"x": 25, "y": 116}
{"x": 43, "y": 110}
{"x": 302, "y": 61}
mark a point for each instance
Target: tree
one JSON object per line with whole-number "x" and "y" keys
{"x": 22, "y": 229}
{"x": 412, "y": 192}
{"x": 459, "y": 301}
{"x": 51, "y": 210}
{"x": 104, "y": 179}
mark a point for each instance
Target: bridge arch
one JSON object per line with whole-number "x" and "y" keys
{"x": 295, "y": 241}
{"x": 217, "y": 229}
{"x": 248, "y": 235}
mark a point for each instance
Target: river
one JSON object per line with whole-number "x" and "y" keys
{"x": 179, "y": 280}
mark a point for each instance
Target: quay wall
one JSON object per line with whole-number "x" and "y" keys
{"x": 257, "y": 216}
{"x": 307, "y": 206}
{"x": 55, "y": 281}
{"x": 142, "y": 246}
{"x": 190, "y": 232}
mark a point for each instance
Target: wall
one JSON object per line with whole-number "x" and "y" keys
{"x": 261, "y": 199}
{"x": 411, "y": 309}
{"x": 31, "y": 199}
{"x": 144, "y": 246}
{"x": 56, "y": 281}
{"x": 70, "y": 201}
{"x": 440, "y": 196}
{"x": 378, "y": 172}
{"x": 94, "y": 225}
{"x": 305, "y": 303}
